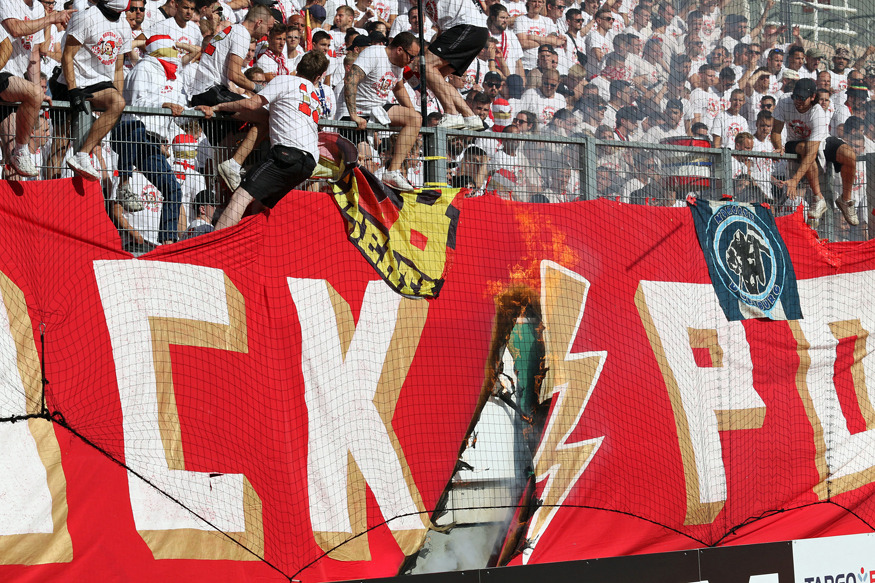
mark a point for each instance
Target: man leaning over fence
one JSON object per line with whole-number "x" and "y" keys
{"x": 292, "y": 119}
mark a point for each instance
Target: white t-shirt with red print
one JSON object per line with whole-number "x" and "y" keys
{"x": 103, "y": 43}
{"x": 380, "y": 78}
{"x": 22, "y": 47}
{"x": 294, "y": 113}
{"x": 810, "y": 126}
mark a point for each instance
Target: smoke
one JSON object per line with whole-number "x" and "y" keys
{"x": 462, "y": 548}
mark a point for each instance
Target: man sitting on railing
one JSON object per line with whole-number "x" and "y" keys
{"x": 292, "y": 119}
{"x": 95, "y": 74}
{"x": 30, "y": 95}
{"x": 807, "y": 137}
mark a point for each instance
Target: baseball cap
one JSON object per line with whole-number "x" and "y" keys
{"x": 492, "y": 76}
{"x": 735, "y": 19}
{"x": 317, "y": 12}
{"x": 361, "y": 41}
{"x": 790, "y": 75}
{"x": 804, "y": 89}
{"x": 843, "y": 53}
{"x": 815, "y": 54}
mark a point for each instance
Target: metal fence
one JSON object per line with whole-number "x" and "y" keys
{"x": 530, "y": 168}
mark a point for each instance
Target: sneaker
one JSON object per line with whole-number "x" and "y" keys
{"x": 22, "y": 163}
{"x": 126, "y": 197}
{"x": 817, "y": 211}
{"x": 849, "y": 210}
{"x": 395, "y": 179}
{"x": 453, "y": 121}
{"x": 474, "y": 123}
{"x": 229, "y": 175}
{"x": 80, "y": 163}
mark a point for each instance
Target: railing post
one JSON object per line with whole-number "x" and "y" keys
{"x": 870, "y": 195}
{"x": 80, "y": 125}
{"x": 726, "y": 171}
{"x": 588, "y": 166}
{"x": 435, "y": 143}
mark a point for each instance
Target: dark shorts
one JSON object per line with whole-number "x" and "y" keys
{"x": 214, "y": 96}
{"x": 5, "y": 110}
{"x": 460, "y": 45}
{"x": 285, "y": 169}
{"x": 61, "y": 93}
{"x": 830, "y": 150}
{"x": 356, "y": 136}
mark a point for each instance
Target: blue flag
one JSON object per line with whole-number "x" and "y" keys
{"x": 748, "y": 261}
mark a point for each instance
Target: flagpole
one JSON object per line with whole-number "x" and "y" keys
{"x": 423, "y": 89}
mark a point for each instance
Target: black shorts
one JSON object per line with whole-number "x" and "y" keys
{"x": 62, "y": 93}
{"x": 5, "y": 110}
{"x": 285, "y": 169}
{"x": 830, "y": 150}
{"x": 460, "y": 45}
{"x": 214, "y": 96}
{"x": 357, "y": 136}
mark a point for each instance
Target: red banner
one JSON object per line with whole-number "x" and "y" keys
{"x": 256, "y": 404}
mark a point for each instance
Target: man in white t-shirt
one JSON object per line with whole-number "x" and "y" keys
{"x": 462, "y": 35}
{"x": 223, "y": 59}
{"x": 293, "y": 118}
{"x": 533, "y": 30}
{"x": 729, "y": 123}
{"x": 92, "y": 70}
{"x": 544, "y": 101}
{"x": 376, "y": 74}
{"x": 25, "y": 21}
{"x": 30, "y": 95}
{"x": 508, "y": 48}
{"x": 181, "y": 29}
{"x": 599, "y": 41}
{"x": 807, "y": 136}
{"x": 272, "y": 58}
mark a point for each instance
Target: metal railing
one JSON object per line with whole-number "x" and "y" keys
{"x": 532, "y": 168}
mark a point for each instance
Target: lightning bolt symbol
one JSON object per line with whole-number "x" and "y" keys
{"x": 572, "y": 378}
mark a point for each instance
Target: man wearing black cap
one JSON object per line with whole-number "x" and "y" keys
{"x": 807, "y": 136}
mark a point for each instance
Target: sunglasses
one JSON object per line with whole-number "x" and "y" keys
{"x": 131, "y": 9}
{"x": 519, "y": 121}
{"x": 492, "y": 84}
{"x": 608, "y": 18}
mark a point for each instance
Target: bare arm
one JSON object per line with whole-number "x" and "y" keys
{"x": 19, "y": 28}
{"x": 861, "y": 62}
{"x": 70, "y": 49}
{"x": 401, "y": 95}
{"x": 119, "y": 80}
{"x": 5, "y": 52}
{"x": 350, "y": 89}
{"x": 249, "y": 104}
{"x": 805, "y": 163}
{"x": 757, "y": 29}
{"x": 777, "y": 127}
{"x": 235, "y": 73}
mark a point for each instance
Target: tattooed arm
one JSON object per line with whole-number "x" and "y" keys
{"x": 354, "y": 76}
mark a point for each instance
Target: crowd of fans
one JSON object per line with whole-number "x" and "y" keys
{"x": 644, "y": 71}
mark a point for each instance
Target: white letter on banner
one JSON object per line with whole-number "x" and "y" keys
{"x": 349, "y": 404}
{"x": 835, "y": 308}
{"x": 679, "y": 317}
{"x": 33, "y": 513}
{"x": 149, "y": 305}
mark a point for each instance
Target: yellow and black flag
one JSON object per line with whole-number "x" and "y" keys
{"x": 407, "y": 237}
